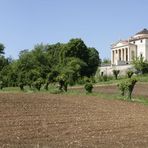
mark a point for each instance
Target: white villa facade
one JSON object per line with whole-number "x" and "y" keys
{"x": 123, "y": 52}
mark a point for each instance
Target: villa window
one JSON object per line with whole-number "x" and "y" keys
{"x": 134, "y": 42}
{"x": 141, "y": 41}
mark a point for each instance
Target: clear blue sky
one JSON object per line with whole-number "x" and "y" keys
{"x": 24, "y": 23}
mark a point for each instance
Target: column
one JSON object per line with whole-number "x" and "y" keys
{"x": 125, "y": 54}
{"x": 119, "y": 54}
{"x": 116, "y": 57}
{"x": 113, "y": 57}
{"x": 128, "y": 54}
{"x": 122, "y": 54}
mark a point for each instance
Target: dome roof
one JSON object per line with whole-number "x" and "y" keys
{"x": 144, "y": 31}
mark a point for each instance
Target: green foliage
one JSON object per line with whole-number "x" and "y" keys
{"x": 129, "y": 73}
{"x": 88, "y": 87}
{"x": 21, "y": 85}
{"x": 50, "y": 62}
{"x": 76, "y": 48}
{"x": 122, "y": 87}
{"x": 127, "y": 86}
{"x": 62, "y": 79}
{"x": 104, "y": 77}
{"x": 1, "y": 85}
{"x": 93, "y": 62}
{"x": 116, "y": 73}
{"x": 140, "y": 65}
{"x": 106, "y": 61}
{"x": 38, "y": 83}
{"x": 2, "y": 47}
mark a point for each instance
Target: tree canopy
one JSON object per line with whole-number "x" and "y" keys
{"x": 2, "y": 47}
{"x": 44, "y": 64}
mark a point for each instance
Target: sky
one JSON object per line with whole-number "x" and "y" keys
{"x": 99, "y": 23}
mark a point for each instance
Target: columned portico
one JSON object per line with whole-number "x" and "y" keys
{"x": 118, "y": 55}
{"x": 122, "y": 54}
{"x": 124, "y": 51}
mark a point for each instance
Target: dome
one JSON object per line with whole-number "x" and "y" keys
{"x": 144, "y": 31}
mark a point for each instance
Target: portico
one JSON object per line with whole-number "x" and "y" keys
{"x": 124, "y": 51}
{"x": 120, "y": 54}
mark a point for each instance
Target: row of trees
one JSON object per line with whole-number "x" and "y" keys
{"x": 63, "y": 63}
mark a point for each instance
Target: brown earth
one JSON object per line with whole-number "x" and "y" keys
{"x": 45, "y": 120}
{"x": 139, "y": 90}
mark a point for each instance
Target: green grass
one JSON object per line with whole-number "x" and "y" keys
{"x": 138, "y": 99}
{"x": 53, "y": 89}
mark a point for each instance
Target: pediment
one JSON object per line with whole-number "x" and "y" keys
{"x": 120, "y": 43}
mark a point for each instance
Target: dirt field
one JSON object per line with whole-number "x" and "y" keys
{"x": 139, "y": 90}
{"x": 57, "y": 121}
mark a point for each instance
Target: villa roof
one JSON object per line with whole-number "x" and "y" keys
{"x": 144, "y": 31}
{"x": 121, "y": 43}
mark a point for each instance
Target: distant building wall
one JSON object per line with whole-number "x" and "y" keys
{"x": 108, "y": 70}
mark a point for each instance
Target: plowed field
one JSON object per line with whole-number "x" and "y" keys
{"x": 44, "y": 120}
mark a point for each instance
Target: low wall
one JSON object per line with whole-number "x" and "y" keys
{"x": 108, "y": 70}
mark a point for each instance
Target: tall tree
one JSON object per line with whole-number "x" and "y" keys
{"x": 93, "y": 61}
{"x": 2, "y": 47}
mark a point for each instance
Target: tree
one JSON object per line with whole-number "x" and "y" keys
{"x": 140, "y": 65}
{"x": 74, "y": 68}
{"x": 93, "y": 62}
{"x": 88, "y": 87}
{"x": 106, "y": 61}
{"x": 76, "y": 48}
{"x": 63, "y": 83}
{"x": 127, "y": 86}
{"x": 38, "y": 83}
{"x": 2, "y": 47}
{"x": 129, "y": 73}
{"x": 63, "y": 63}
{"x": 51, "y": 77}
{"x": 116, "y": 73}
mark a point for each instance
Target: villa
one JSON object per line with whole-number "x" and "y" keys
{"x": 123, "y": 52}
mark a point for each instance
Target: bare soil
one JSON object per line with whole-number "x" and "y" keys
{"x": 45, "y": 120}
{"x": 139, "y": 90}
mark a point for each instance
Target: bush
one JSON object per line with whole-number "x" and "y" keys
{"x": 62, "y": 80}
{"x": 1, "y": 85}
{"x": 116, "y": 73}
{"x": 129, "y": 73}
{"x": 130, "y": 85}
{"x": 38, "y": 83}
{"x": 127, "y": 86}
{"x": 122, "y": 87}
{"x": 21, "y": 85}
{"x": 104, "y": 77}
{"x": 88, "y": 87}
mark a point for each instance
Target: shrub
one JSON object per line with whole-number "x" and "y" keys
{"x": 21, "y": 85}
{"x": 88, "y": 87}
{"x": 122, "y": 87}
{"x": 104, "y": 77}
{"x": 127, "y": 86}
{"x": 1, "y": 85}
{"x": 130, "y": 85}
{"x": 63, "y": 84}
{"x": 116, "y": 73}
{"x": 38, "y": 83}
{"x": 129, "y": 73}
